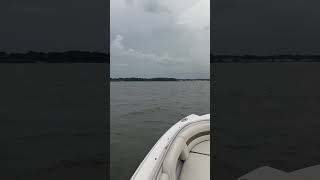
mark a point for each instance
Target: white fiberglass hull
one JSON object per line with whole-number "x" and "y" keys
{"x": 182, "y": 153}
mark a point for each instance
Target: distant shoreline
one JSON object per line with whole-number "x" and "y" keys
{"x": 263, "y": 59}
{"x": 55, "y": 57}
{"x": 155, "y": 79}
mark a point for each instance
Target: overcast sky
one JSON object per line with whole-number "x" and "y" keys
{"x": 265, "y": 26}
{"x": 53, "y": 25}
{"x": 160, "y": 38}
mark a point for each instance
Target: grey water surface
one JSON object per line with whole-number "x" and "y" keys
{"x": 142, "y": 111}
{"x": 53, "y": 122}
{"x": 266, "y": 114}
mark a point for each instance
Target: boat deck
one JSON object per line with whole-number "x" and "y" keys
{"x": 197, "y": 166}
{"x": 182, "y": 153}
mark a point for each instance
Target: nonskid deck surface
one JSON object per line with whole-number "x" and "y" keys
{"x": 197, "y": 166}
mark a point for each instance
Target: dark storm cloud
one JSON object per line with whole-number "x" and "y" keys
{"x": 151, "y": 6}
{"x": 264, "y": 27}
{"x": 53, "y": 25}
{"x": 155, "y": 7}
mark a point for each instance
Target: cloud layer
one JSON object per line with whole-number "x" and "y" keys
{"x": 117, "y": 47}
{"x": 155, "y": 7}
{"x": 151, "y": 38}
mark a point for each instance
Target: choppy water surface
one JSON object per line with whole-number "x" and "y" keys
{"x": 142, "y": 111}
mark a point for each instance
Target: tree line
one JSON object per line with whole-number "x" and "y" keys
{"x": 54, "y": 57}
{"x": 266, "y": 58}
{"x": 155, "y": 79}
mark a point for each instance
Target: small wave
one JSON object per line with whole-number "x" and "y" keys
{"x": 144, "y": 111}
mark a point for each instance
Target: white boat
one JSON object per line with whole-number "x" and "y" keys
{"x": 182, "y": 153}
{"x": 269, "y": 173}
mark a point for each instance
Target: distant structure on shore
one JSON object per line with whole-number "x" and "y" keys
{"x": 262, "y": 59}
{"x": 55, "y": 57}
{"x": 155, "y": 79}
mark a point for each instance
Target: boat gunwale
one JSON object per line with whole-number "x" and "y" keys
{"x": 163, "y": 143}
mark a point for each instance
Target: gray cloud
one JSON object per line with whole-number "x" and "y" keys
{"x": 129, "y": 2}
{"x": 151, "y": 6}
{"x": 206, "y": 28}
{"x": 158, "y": 43}
{"x": 154, "y": 6}
{"x": 119, "y": 49}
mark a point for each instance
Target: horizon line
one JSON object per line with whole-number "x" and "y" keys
{"x": 153, "y": 78}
